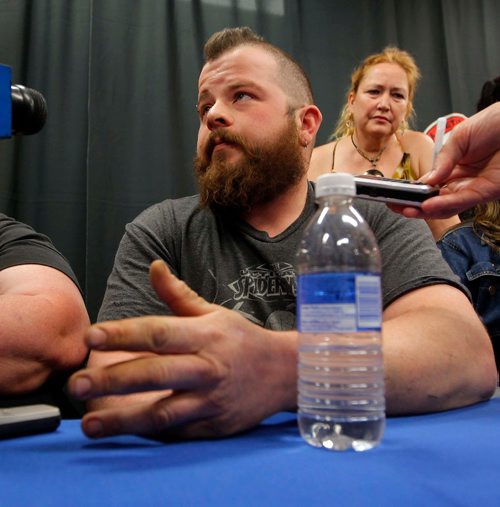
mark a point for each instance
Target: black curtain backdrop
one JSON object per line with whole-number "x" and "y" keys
{"x": 120, "y": 79}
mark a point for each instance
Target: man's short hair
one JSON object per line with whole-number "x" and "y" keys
{"x": 291, "y": 76}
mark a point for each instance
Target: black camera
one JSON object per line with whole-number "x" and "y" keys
{"x": 22, "y": 110}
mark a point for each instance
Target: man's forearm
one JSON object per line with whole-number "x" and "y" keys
{"x": 21, "y": 375}
{"x": 39, "y": 335}
{"x": 436, "y": 359}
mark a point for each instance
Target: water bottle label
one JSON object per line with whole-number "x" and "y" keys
{"x": 338, "y": 302}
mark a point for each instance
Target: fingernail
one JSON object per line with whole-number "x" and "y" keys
{"x": 81, "y": 387}
{"x": 96, "y": 337}
{"x": 93, "y": 428}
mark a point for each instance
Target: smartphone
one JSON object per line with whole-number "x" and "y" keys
{"x": 28, "y": 420}
{"x": 405, "y": 192}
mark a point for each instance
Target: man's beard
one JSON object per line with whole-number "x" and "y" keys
{"x": 262, "y": 173}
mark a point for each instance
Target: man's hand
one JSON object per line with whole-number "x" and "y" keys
{"x": 226, "y": 374}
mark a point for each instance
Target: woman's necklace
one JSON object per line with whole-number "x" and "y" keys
{"x": 373, "y": 161}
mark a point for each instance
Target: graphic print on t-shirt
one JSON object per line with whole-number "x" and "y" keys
{"x": 265, "y": 294}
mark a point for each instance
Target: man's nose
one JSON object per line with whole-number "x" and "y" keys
{"x": 218, "y": 116}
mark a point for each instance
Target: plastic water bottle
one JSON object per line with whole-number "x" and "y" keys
{"x": 341, "y": 402}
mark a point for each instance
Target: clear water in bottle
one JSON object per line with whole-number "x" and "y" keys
{"x": 341, "y": 391}
{"x": 341, "y": 402}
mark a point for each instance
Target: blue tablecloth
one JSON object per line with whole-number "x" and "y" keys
{"x": 449, "y": 458}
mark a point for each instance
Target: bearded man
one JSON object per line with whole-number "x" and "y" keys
{"x": 209, "y": 348}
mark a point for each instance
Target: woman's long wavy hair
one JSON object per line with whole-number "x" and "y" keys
{"x": 487, "y": 223}
{"x": 487, "y": 216}
{"x": 391, "y": 54}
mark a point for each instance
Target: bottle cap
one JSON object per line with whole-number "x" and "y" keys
{"x": 335, "y": 184}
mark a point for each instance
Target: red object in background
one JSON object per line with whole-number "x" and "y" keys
{"x": 452, "y": 120}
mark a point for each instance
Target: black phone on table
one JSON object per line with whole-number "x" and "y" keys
{"x": 28, "y": 420}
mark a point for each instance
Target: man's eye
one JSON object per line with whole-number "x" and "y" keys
{"x": 241, "y": 96}
{"x": 203, "y": 109}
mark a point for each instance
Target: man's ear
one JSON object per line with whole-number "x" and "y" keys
{"x": 309, "y": 118}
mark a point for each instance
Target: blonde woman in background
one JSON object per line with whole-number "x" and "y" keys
{"x": 373, "y": 135}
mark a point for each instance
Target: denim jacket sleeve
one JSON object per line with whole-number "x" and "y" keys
{"x": 478, "y": 267}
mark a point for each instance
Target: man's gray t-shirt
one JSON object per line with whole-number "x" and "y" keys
{"x": 229, "y": 263}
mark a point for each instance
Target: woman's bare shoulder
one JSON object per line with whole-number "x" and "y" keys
{"x": 413, "y": 139}
{"x": 420, "y": 147}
